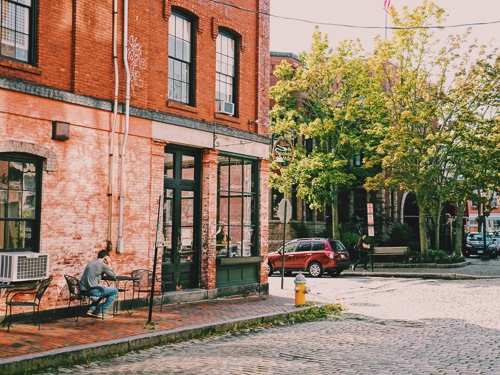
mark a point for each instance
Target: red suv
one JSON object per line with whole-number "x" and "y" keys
{"x": 314, "y": 255}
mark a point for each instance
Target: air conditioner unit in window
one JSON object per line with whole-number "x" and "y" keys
{"x": 224, "y": 107}
{"x": 23, "y": 266}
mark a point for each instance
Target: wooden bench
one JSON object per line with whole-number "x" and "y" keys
{"x": 390, "y": 251}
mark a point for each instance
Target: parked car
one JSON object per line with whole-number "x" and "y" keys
{"x": 474, "y": 245}
{"x": 313, "y": 255}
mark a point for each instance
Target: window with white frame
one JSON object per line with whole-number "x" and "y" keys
{"x": 17, "y": 30}
{"x": 225, "y": 68}
{"x": 180, "y": 67}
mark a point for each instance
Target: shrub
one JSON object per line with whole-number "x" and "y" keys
{"x": 435, "y": 256}
{"x": 300, "y": 229}
{"x": 400, "y": 234}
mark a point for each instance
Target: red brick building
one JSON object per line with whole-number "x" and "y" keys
{"x": 106, "y": 106}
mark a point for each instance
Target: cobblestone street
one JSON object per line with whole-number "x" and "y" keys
{"x": 390, "y": 326}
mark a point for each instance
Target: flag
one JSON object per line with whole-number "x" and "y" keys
{"x": 387, "y": 5}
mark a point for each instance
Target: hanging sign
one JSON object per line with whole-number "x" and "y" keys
{"x": 283, "y": 152}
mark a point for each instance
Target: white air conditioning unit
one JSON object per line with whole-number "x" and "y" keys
{"x": 224, "y": 107}
{"x": 23, "y": 266}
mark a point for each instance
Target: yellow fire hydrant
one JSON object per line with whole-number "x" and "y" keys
{"x": 300, "y": 290}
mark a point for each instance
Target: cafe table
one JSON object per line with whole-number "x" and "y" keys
{"x": 118, "y": 279}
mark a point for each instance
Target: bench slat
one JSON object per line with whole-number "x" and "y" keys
{"x": 395, "y": 250}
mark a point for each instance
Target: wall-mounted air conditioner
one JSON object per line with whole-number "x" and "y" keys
{"x": 224, "y": 107}
{"x": 23, "y": 266}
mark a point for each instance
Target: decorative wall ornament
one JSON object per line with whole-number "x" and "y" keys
{"x": 135, "y": 62}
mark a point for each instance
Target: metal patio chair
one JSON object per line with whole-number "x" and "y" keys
{"x": 143, "y": 285}
{"x": 75, "y": 293}
{"x": 37, "y": 300}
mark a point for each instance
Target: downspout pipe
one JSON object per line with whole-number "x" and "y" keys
{"x": 113, "y": 127}
{"x": 120, "y": 243}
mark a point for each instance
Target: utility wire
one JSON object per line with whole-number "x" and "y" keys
{"x": 358, "y": 26}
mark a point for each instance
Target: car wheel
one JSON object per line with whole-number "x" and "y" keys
{"x": 315, "y": 269}
{"x": 270, "y": 270}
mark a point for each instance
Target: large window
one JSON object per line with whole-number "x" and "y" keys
{"x": 180, "y": 69}
{"x": 17, "y": 29}
{"x": 19, "y": 203}
{"x": 237, "y": 207}
{"x": 226, "y": 68}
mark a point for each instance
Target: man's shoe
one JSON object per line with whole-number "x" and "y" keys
{"x": 105, "y": 316}
{"x": 91, "y": 312}
{"x": 366, "y": 269}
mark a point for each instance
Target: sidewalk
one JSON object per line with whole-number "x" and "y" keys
{"x": 26, "y": 349}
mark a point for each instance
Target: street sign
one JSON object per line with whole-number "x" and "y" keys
{"x": 369, "y": 210}
{"x": 281, "y": 210}
{"x": 283, "y": 152}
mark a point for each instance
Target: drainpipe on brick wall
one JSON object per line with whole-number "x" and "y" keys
{"x": 119, "y": 246}
{"x": 113, "y": 128}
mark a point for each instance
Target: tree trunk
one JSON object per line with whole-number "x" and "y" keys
{"x": 459, "y": 229}
{"x": 423, "y": 233}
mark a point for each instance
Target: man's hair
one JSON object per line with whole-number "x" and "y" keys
{"x": 101, "y": 254}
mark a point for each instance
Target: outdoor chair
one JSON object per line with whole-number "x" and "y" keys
{"x": 37, "y": 300}
{"x": 143, "y": 285}
{"x": 75, "y": 293}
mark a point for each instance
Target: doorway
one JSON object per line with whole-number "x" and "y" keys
{"x": 181, "y": 219}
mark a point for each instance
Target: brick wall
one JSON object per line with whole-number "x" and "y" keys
{"x": 73, "y": 81}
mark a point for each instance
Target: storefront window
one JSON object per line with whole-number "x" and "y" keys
{"x": 237, "y": 210}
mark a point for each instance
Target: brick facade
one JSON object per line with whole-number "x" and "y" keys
{"x": 73, "y": 80}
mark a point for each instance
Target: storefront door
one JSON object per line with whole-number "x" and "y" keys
{"x": 181, "y": 221}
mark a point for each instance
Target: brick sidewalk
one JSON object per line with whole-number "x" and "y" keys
{"x": 25, "y": 345}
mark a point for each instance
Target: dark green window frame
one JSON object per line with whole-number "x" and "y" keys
{"x": 20, "y": 197}
{"x": 237, "y": 205}
{"x": 18, "y": 30}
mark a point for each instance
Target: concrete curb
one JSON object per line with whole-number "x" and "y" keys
{"x": 77, "y": 354}
{"x": 443, "y": 276}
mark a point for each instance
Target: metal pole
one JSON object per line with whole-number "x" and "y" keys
{"x": 158, "y": 227}
{"x": 283, "y": 249}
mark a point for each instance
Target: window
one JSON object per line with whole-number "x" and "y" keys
{"x": 20, "y": 179}
{"x": 226, "y": 68}
{"x": 237, "y": 211}
{"x": 17, "y": 30}
{"x": 180, "y": 69}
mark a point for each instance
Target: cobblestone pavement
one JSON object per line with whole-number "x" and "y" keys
{"x": 390, "y": 326}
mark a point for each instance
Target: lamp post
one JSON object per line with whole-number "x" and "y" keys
{"x": 481, "y": 218}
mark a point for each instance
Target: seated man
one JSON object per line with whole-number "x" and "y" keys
{"x": 90, "y": 284}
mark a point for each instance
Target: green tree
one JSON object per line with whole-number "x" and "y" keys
{"x": 442, "y": 141}
{"x": 329, "y": 100}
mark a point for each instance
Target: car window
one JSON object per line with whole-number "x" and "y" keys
{"x": 317, "y": 245}
{"x": 290, "y": 247}
{"x": 304, "y": 246}
{"x": 337, "y": 246}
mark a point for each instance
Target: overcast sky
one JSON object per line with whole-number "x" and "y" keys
{"x": 295, "y": 36}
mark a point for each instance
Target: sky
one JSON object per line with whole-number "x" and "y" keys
{"x": 294, "y": 36}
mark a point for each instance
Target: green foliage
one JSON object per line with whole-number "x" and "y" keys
{"x": 349, "y": 239}
{"x": 435, "y": 256}
{"x": 443, "y": 107}
{"x": 400, "y": 235}
{"x": 326, "y": 103}
{"x": 300, "y": 229}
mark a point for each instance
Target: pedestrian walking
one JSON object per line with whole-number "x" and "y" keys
{"x": 363, "y": 250}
